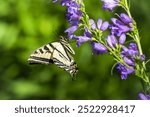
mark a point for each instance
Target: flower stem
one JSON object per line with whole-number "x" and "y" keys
{"x": 136, "y": 38}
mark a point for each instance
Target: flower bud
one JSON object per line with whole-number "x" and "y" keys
{"x": 125, "y": 18}
{"x": 122, "y": 39}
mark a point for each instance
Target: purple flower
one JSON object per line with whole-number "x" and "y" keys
{"x": 121, "y": 26}
{"x": 128, "y": 61}
{"x": 125, "y": 18}
{"x": 122, "y": 39}
{"x": 131, "y": 51}
{"x": 129, "y": 55}
{"x": 124, "y": 71}
{"x": 74, "y": 15}
{"x": 98, "y": 48}
{"x": 102, "y": 25}
{"x": 81, "y": 39}
{"x": 87, "y": 33}
{"x": 92, "y": 24}
{"x": 71, "y": 30}
{"x": 110, "y": 4}
{"x": 142, "y": 57}
{"x": 111, "y": 41}
{"x": 65, "y": 2}
{"x": 143, "y": 96}
{"x": 54, "y": 1}
{"x": 99, "y": 23}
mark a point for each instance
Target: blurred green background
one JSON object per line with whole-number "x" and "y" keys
{"x": 25, "y": 25}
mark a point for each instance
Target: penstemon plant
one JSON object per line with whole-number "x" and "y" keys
{"x": 129, "y": 58}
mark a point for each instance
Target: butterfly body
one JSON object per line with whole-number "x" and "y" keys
{"x": 58, "y": 53}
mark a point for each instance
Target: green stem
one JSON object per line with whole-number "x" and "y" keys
{"x": 115, "y": 55}
{"x": 136, "y": 36}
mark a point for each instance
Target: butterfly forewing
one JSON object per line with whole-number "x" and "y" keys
{"x": 66, "y": 45}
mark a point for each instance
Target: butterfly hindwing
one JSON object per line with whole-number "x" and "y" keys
{"x": 42, "y": 55}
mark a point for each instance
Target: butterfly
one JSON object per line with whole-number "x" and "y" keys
{"x": 58, "y": 53}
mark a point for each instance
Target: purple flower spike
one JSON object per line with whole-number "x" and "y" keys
{"x": 92, "y": 24}
{"x": 125, "y": 18}
{"x": 122, "y": 39}
{"x": 81, "y": 39}
{"x": 143, "y": 96}
{"x": 110, "y": 4}
{"x": 111, "y": 41}
{"x": 98, "y": 48}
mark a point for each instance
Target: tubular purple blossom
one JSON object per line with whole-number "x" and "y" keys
{"x": 128, "y": 61}
{"x": 99, "y": 23}
{"x": 143, "y": 96}
{"x": 92, "y": 24}
{"x": 74, "y": 15}
{"x": 87, "y": 33}
{"x": 54, "y": 1}
{"x": 104, "y": 26}
{"x": 110, "y": 4}
{"x": 129, "y": 55}
{"x": 71, "y": 30}
{"x": 142, "y": 57}
{"x": 122, "y": 39}
{"x": 121, "y": 26}
{"x": 133, "y": 50}
{"x": 65, "y": 2}
{"x": 111, "y": 41}
{"x": 124, "y": 71}
{"x": 81, "y": 39}
{"x": 125, "y": 18}
{"x": 98, "y": 48}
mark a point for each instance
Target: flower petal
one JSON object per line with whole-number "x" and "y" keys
{"x": 125, "y": 18}
{"x": 71, "y": 29}
{"x": 122, "y": 39}
{"x": 92, "y": 24}
{"x": 99, "y": 23}
{"x": 104, "y": 26}
{"x": 143, "y": 96}
{"x": 81, "y": 39}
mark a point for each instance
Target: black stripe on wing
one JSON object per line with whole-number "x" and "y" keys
{"x": 39, "y": 60}
{"x": 61, "y": 64}
{"x": 66, "y": 45}
{"x": 44, "y": 49}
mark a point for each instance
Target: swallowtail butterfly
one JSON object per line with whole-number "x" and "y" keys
{"x": 58, "y": 53}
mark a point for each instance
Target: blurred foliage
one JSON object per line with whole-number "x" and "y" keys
{"x": 26, "y": 25}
